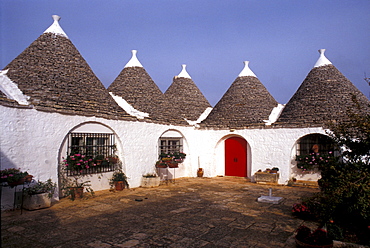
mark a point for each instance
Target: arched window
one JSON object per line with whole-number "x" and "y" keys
{"x": 89, "y": 149}
{"x": 315, "y": 143}
{"x": 170, "y": 142}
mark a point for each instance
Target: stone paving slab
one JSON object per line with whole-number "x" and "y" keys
{"x": 192, "y": 212}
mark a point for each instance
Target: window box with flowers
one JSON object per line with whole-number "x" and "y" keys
{"x": 76, "y": 164}
{"x": 312, "y": 161}
{"x": 170, "y": 160}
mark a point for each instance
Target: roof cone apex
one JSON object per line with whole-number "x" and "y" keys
{"x": 55, "y": 28}
{"x": 184, "y": 73}
{"x": 246, "y": 71}
{"x": 134, "y": 62}
{"x": 322, "y": 59}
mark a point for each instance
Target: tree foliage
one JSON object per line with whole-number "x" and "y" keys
{"x": 344, "y": 196}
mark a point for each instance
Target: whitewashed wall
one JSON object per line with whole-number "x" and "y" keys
{"x": 35, "y": 141}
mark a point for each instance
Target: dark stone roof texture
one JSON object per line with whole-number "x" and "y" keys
{"x": 136, "y": 86}
{"x": 58, "y": 79}
{"x": 185, "y": 100}
{"x": 246, "y": 103}
{"x": 325, "y": 95}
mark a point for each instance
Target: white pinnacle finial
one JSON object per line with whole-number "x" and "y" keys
{"x": 184, "y": 73}
{"x": 246, "y": 71}
{"x": 55, "y": 27}
{"x": 322, "y": 59}
{"x": 134, "y": 62}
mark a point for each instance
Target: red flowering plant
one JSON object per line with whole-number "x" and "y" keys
{"x": 301, "y": 210}
{"x": 78, "y": 162}
{"x": 171, "y": 159}
{"x": 12, "y": 175}
{"x": 318, "y": 237}
{"x": 313, "y": 160}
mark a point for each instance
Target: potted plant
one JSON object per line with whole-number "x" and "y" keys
{"x": 161, "y": 164}
{"x": 74, "y": 186}
{"x": 14, "y": 176}
{"x": 119, "y": 180}
{"x": 38, "y": 195}
{"x": 113, "y": 158}
{"x": 274, "y": 170}
{"x": 318, "y": 238}
{"x": 150, "y": 180}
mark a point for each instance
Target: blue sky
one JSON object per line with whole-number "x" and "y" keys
{"x": 280, "y": 38}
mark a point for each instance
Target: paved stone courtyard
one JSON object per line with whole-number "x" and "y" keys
{"x": 191, "y": 212}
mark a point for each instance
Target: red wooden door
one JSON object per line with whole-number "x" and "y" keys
{"x": 236, "y": 157}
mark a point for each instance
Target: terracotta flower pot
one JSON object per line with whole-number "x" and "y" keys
{"x": 200, "y": 172}
{"x": 119, "y": 185}
{"x": 304, "y": 245}
{"x": 77, "y": 192}
{"x": 19, "y": 182}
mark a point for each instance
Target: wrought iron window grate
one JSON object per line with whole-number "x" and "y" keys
{"x": 92, "y": 146}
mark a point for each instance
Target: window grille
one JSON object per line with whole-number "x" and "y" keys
{"x": 92, "y": 145}
{"x": 324, "y": 143}
{"x": 168, "y": 145}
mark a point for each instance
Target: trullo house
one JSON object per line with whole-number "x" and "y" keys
{"x": 52, "y": 105}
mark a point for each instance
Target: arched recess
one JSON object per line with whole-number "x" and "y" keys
{"x": 92, "y": 139}
{"x": 311, "y": 143}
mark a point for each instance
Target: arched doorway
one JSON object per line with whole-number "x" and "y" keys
{"x": 236, "y": 157}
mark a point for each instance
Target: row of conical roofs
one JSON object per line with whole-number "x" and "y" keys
{"x": 51, "y": 75}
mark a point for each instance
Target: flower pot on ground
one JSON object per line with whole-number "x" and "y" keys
{"x": 119, "y": 180}
{"x": 34, "y": 202}
{"x": 74, "y": 186}
{"x": 305, "y": 238}
{"x": 76, "y": 192}
{"x": 150, "y": 180}
{"x": 200, "y": 172}
{"x": 38, "y": 195}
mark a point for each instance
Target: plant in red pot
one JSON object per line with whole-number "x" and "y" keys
{"x": 306, "y": 238}
{"x": 119, "y": 180}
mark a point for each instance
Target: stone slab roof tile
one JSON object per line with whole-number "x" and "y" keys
{"x": 246, "y": 103}
{"x": 56, "y": 77}
{"x": 325, "y": 95}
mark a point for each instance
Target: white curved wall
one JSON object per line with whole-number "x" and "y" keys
{"x": 32, "y": 140}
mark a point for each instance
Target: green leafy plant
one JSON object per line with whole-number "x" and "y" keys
{"x": 69, "y": 183}
{"x": 117, "y": 176}
{"x": 41, "y": 187}
{"x": 345, "y": 183}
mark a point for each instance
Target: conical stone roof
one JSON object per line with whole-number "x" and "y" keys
{"x": 56, "y": 77}
{"x": 245, "y": 104}
{"x": 325, "y": 95}
{"x": 184, "y": 98}
{"x": 137, "y": 88}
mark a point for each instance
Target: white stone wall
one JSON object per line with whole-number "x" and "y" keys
{"x": 35, "y": 141}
